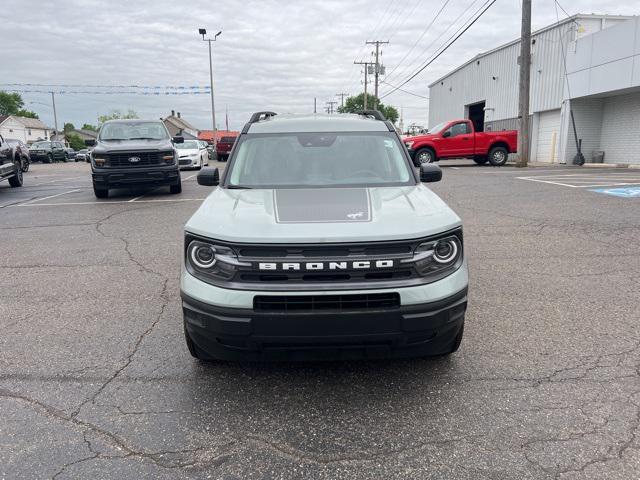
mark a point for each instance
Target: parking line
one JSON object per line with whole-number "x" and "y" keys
{"x": 104, "y": 203}
{"x": 190, "y": 176}
{"x": 134, "y": 199}
{"x": 57, "y": 180}
{"x": 45, "y": 198}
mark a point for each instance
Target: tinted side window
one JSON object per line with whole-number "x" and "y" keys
{"x": 459, "y": 129}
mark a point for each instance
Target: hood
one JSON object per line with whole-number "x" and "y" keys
{"x": 187, "y": 151}
{"x": 103, "y": 146}
{"x": 322, "y": 215}
{"x": 426, "y": 136}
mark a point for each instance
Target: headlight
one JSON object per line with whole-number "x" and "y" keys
{"x": 168, "y": 157}
{"x": 438, "y": 258}
{"x": 409, "y": 144}
{"x": 99, "y": 160}
{"x": 210, "y": 262}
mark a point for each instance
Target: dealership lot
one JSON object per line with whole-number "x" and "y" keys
{"x": 96, "y": 382}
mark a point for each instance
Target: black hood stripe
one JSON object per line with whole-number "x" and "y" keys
{"x": 322, "y": 205}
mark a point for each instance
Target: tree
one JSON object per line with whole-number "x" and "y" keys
{"x": 116, "y": 115}
{"x": 356, "y": 104}
{"x": 12, "y": 104}
{"x": 88, "y": 126}
{"x": 68, "y": 127}
{"x": 76, "y": 141}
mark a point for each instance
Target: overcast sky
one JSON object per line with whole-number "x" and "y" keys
{"x": 272, "y": 54}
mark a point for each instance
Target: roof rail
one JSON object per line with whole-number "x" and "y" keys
{"x": 256, "y": 117}
{"x": 375, "y": 114}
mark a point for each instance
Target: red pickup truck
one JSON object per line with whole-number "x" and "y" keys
{"x": 458, "y": 139}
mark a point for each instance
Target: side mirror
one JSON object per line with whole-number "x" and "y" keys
{"x": 446, "y": 134}
{"x": 177, "y": 139}
{"x": 430, "y": 173}
{"x": 90, "y": 143}
{"x": 209, "y": 177}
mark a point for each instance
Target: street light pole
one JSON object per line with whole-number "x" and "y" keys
{"x": 203, "y": 32}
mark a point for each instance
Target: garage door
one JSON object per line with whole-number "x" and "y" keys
{"x": 548, "y": 136}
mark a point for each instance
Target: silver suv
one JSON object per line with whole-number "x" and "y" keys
{"x": 321, "y": 241}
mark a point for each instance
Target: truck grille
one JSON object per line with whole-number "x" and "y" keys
{"x": 323, "y": 303}
{"x": 121, "y": 159}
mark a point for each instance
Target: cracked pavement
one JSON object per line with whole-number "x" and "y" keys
{"x": 96, "y": 382}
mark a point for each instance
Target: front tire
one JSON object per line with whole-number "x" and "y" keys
{"x": 66, "y": 158}
{"x": 498, "y": 156}
{"x": 101, "y": 192}
{"x": 49, "y": 159}
{"x": 424, "y": 155}
{"x": 16, "y": 180}
{"x": 176, "y": 188}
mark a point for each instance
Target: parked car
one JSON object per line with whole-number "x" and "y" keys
{"x": 10, "y": 166}
{"x": 21, "y": 151}
{"x": 71, "y": 153}
{"x": 82, "y": 155}
{"x": 322, "y": 241}
{"x": 458, "y": 139}
{"x": 224, "y": 146}
{"x": 134, "y": 153}
{"x": 192, "y": 154}
{"x": 48, "y": 152}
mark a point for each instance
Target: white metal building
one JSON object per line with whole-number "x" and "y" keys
{"x": 485, "y": 89}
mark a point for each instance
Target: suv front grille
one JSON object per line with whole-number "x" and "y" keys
{"x": 122, "y": 159}
{"x": 326, "y": 303}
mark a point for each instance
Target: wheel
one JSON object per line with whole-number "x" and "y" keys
{"x": 457, "y": 341}
{"x": 480, "y": 160}
{"x": 16, "y": 180}
{"x": 190, "y": 344}
{"x": 49, "y": 159}
{"x": 498, "y": 156}
{"x": 176, "y": 188}
{"x": 424, "y": 155}
{"x": 24, "y": 162}
{"x": 101, "y": 192}
{"x": 65, "y": 158}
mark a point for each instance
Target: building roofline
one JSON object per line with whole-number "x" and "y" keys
{"x": 570, "y": 19}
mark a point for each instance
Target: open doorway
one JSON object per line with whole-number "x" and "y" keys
{"x": 475, "y": 113}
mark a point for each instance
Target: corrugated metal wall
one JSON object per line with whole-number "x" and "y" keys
{"x": 494, "y": 78}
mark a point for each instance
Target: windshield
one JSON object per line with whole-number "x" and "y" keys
{"x": 320, "y": 160}
{"x": 187, "y": 145}
{"x": 41, "y": 145}
{"x": 133, "y": 131}
{"x": 437, "y": 128}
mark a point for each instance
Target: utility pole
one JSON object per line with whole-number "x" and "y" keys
{"x": 524, "y": 87}
{"x": 315, "y": 105}
{"x": 55, "y": 116}
{"x": 377, "y": 69}
{"x": 203, "y": 32}
{"x": 342, "y": 95}
{"x": 330, "y": 106}
{"x": 366, "y": 67}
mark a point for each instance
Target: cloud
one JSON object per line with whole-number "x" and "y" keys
{"x": 275, "y": 55}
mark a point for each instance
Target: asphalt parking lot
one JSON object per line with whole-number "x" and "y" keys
{"x": 96, "y": 382}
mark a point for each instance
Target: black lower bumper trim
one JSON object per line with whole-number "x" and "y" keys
{"x": 105, "y": 178}
{"x": 244, "y": 334}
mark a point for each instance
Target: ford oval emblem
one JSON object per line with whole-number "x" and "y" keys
{"x": 134, "y": 159}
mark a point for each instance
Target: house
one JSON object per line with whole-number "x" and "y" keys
{"x": 178, "y": 126}
{"x": 567, "y": 58}
{"x": 26, "y": 129}
{"x": 84, "y": 134}
{"x": 207, "y": 135}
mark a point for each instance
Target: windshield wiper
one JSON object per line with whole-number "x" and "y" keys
{"x": 238, "y": 187}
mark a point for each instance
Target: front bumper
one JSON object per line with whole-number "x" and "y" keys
{"x": 426, "y": 323}
{"x": 124, "y": 177}
{"x": 185, "y": 163}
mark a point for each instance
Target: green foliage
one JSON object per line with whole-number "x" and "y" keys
{"x": 12, "y": 104}
{"x": 88, "y": 126}
{"x": 69, "y": 126}
{"x": 116, "y": 115}
{"x": 76, "y": 142}
{"x": 356, "y": 104}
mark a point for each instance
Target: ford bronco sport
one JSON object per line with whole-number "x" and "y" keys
{"x": 321, "y": 241}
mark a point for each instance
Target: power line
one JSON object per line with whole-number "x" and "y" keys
{"x": 342, "y": 95}
{"x": 110, "y": 92}
{"x": 406, "y": 91}
{"x": 81, "y": 85}
{"x": 420, "y": 37}
{"x": 414, "y": 75}
{"x": 424, "y": 51}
